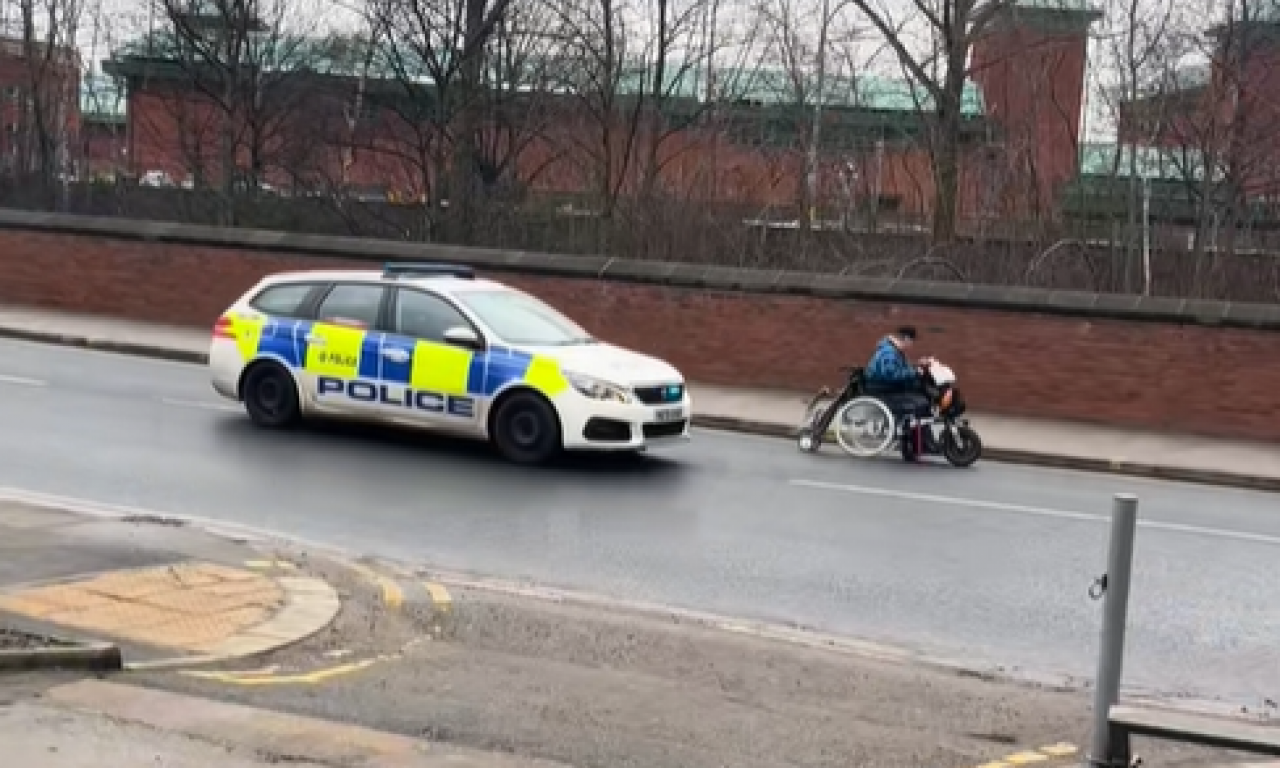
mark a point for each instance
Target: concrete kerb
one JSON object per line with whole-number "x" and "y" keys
{"x": 153, "y": 351}
{"x": 67, "y": 655}
{"x": 311, "y": 605}
{"x": 735, "y": 424}
{"x": 1034, "y": 458}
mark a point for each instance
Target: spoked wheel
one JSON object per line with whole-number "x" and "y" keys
{"x": 864, "y": 427}
{"x": 961, "y": 447}
{"x": 806, "y": 440}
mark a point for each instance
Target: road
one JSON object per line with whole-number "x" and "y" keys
{"x": 990, "y": 565}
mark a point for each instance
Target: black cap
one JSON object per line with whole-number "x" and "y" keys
{"x": 907, "y": 332}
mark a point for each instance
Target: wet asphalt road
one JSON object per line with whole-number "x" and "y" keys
{"x": 990, "y": 565}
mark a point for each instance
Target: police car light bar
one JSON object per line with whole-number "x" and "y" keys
{"x": 427, "y": 269}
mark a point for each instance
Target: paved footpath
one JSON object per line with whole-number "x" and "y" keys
{"x": 1019, "y": 440}
{"x": 91, "y": 724}
{"x": 165, "y": 594}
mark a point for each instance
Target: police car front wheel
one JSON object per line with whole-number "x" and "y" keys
{"x": 526, "y": 429}
{"x": 270, "y": 396}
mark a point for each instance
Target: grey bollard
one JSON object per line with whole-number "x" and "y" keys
{"x": 1115, "y": 609}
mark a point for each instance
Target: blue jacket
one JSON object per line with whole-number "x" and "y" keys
{"x": 889, "y": 366}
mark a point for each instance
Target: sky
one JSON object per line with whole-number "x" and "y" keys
{"x": 854, "y": 46}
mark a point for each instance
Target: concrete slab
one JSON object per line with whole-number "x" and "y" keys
{"x": 246, "y": 731}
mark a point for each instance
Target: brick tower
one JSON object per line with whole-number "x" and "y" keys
{"x": 1030, "y": 66}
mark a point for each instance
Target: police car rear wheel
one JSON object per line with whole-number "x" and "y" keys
{"x": 270, "y": 396}
{"x": 526, "y": 430}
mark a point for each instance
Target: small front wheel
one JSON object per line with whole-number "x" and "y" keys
{"x": 864, "y": 427}
{"x": 807, "y": 438}
{"x": 526, "y": 429}
{"x": 270, "y": 396}
{"x": 961, "y": 446}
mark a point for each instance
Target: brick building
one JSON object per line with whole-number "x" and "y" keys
{"x": 1219, "y": 116}
{"x": 338, "y": 115}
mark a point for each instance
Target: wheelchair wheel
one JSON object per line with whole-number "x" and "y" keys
{"x": 864, "y": 427}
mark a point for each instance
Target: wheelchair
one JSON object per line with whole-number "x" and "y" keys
{"x": 865, "y": 426}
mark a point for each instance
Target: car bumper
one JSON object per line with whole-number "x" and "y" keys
{"x": 225, "y": 365}
{"x": 591, "y": 425}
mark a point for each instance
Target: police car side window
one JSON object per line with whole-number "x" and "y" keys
{"x": 283, "y": 300}
{"x": 424, "y": 316}
{"x": 353, "y": 304}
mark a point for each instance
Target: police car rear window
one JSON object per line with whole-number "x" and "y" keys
{"x": 284, "y": 300}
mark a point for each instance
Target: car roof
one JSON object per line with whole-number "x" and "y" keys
{"x": 442, "y": 283}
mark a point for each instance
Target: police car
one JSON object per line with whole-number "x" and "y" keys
{"x": 433, "y": 346}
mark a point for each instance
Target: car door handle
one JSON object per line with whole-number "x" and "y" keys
{"x": 396, "y": 355}
{"x": 314, "y": 340}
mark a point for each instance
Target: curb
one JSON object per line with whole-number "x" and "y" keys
{"x": 105, "y": 345}
{"x": 86, "y": 657}
{"x": 1033, "y": 458}
{"x": 746, "y": 426}
{"x": 311, "y": 606}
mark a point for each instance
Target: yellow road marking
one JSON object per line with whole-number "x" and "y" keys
{"x": 1039, "y": 755}
{"x": 1061, "y": 749}
{"x": 392, "y": 595}
{"x": 439, "y": 595}
{"x": 307, "y": 678}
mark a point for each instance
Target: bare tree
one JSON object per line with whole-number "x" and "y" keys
{"x": 1141, "y": 46}
{"x": 243, "y": 58}
{"x": 47, "y": 102}
{"x": 460, "y": 134}
{"x": 640, "y": 76}
{"x": 806, "y": 42}
{"x": 942, "y": 70}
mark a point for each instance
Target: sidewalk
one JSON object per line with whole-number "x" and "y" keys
{"x": 89, "y": 724}
{"x": 1009, "y": 439}
{"x": 165, "y": 595}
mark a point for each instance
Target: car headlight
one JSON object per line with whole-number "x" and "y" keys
{"x": 596, "y": 389}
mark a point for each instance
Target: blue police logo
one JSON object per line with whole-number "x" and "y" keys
{"x": 403, "y": 397}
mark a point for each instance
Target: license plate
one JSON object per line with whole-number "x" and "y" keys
{"x": 669, "y": 414}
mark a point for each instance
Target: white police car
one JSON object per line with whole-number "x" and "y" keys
{"x": 432, "y": 346}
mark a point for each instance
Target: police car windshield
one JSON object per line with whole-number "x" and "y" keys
{"x": 521, "y": 319}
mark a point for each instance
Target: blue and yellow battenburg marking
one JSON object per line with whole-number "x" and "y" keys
{"x": 366, "y": 365}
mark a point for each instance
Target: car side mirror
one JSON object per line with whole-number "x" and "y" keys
{"x": 462, "y": 336}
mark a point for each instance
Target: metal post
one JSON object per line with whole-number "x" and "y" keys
{"x": 1115, "y": 608}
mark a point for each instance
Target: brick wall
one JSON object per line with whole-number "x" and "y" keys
{"x": 1202, "y": 367}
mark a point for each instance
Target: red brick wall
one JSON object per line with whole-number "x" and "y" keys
{"x": 1164, "y": 376}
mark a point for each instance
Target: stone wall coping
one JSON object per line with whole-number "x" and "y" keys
{"x": 1101, "y": 306}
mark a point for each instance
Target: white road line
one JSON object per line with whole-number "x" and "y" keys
{"x": 21, "y": 382}
{"x": 1023, "y": 509}
{"x": 202, "y": 405}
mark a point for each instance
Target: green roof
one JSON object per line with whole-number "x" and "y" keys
{"x": 1155, "y": 163}
{"x": 349, "y": 56}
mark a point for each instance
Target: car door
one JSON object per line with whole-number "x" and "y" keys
{"x": 342, "y": 361}
{"x": 428, "y": 376}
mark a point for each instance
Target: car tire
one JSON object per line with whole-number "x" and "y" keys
{"x": 271, "y": 397}
{"x": 526, "y": 429}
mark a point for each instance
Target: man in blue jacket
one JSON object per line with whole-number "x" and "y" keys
{"x": 891, "y": 377}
